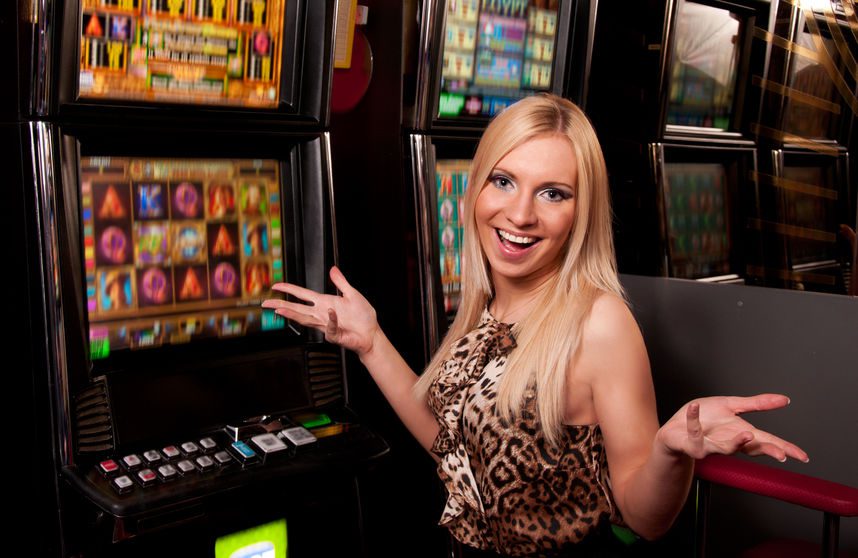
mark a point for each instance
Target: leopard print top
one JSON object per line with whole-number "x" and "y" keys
{"x": 508, "y": 490}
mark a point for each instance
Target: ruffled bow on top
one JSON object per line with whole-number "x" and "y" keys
{"x": 490, "y": 341}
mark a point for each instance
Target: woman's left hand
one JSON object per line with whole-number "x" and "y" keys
{"x": 712, "y": 425}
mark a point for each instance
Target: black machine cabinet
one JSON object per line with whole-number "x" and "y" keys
{"x": 175, "y": 164}
{"x": 262, "y": 62}
{"x": 163, "y": 444}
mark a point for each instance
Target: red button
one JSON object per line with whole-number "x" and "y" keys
{"x": 108, "y": 466}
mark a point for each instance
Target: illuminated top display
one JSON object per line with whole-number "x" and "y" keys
{"x": 206, "y": 52}
{"x": 495, "y": 53}
{"x": 178, "y": 249}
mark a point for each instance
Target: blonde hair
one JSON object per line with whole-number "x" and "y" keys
{"x": 551, "y": 333}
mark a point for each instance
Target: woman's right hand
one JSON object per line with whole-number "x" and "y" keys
{"x": 347, "y": 320}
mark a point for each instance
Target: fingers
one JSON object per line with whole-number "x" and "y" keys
{"x": 695, "y": 430}
{"x": 340, "y": 280}
{"x": 332, "y": 327}
{"x": 776, "y": 448}
{"x": 301, "y": 313}
{"x": 306, "y": 295}
{"x": 762, "y": 402}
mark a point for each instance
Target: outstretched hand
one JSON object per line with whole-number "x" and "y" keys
{"x": 712, "y": 425}
{"x": 347, "y": 320}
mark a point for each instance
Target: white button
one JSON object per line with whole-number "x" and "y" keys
{"x": 131, "y": 460}
{"x": 122, "y": 482}
{"x": 167, "y": 471}
{"x": 185, "y": 466}
{"x": 269, "y": 443}
{"x": 152, "y": 456}
{"x": 190, "y": 447}
{"x": 207, "y": 443}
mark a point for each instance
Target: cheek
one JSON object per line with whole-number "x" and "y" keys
{"x": 483, "y": 208}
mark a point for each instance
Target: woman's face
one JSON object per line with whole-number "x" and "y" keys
{"x": 524, "y": 213}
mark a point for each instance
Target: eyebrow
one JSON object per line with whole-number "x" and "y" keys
{"x": 514, "y": 177}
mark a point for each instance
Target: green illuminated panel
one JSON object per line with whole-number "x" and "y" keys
{"x": 267, "y": 540}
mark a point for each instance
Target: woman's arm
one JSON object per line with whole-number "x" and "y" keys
{"x": 651, "y": 467}
{"x": 350, "y": 321}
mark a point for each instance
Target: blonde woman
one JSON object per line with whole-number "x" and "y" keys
{"x": 539, "y": 404}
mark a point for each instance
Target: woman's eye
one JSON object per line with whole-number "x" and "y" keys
{"x": 501, "y": 182}
{"x": 555, "y": 195}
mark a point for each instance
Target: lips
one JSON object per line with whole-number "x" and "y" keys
{"x": 514, "y": 244}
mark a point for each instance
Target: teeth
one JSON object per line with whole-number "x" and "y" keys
{"x": 516, "y": 239}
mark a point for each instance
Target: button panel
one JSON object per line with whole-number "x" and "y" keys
{"x": 199, "y": 458}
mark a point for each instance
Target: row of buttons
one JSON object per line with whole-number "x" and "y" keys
{"x": 166, "y": 472}
{"x": 133, "y": 462}
{"x": 267, "y": 443}
{"x": 194, "y": 459}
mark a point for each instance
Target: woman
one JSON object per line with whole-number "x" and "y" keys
{"x": 542, "y": 384}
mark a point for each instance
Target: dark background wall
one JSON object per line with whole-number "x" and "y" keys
{"x": 733, "y": 340}
{"x": 377, "y": 248}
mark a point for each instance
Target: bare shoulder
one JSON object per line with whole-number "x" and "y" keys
{"x": 610, "y": 321}
{"x": 611, "y": 342}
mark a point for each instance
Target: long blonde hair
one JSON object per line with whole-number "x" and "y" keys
{"x": 550, "y": 335}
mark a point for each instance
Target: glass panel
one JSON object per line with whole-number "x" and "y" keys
{"x": 812, "y": 118}
{"x": 179, "y": 249}
{"x": 697, "y": 220}
{"x": 810, "y": 216}
{"x": 201, "y": 52}
{"x": 451, "y": 178}
{"x": 704, "y": 66}
{"x": 495, "y": 52}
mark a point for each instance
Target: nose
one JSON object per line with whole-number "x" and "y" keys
{"x": 521, "y": 211}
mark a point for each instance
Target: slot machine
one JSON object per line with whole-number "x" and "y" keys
{"x": 675, "y": 110}
{"x": 805, "y": 147}
{"x": 175, "y": 164}
{"x": 475, "y": 59}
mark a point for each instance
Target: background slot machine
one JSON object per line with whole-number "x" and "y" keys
{"x": 811, "y": 219}
{"x": 703, "y": 211}
{"x": 476, "y": 58}
{"x": 174, "y": 165}
{"x": 674, "y": 107}
{"x": 230, "y": 58}
{"x": 807, "y": 137}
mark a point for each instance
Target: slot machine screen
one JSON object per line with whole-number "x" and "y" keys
{"x": 819, "y": 117}
{"x": 704, "y": 67}
{"x": 695, "y": 198}
{"x": 451, "y": 178}
{"x": 177, "y": 250}
{"x": 495, "y": 53}
{"x": 202, "y": 52}
{"x": 810, "y": 212}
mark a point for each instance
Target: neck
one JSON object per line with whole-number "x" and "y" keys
{"x": 513, "y": 298}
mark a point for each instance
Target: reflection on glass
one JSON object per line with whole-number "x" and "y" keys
{"x": 704, "y": 66}
{"x": 811, "y": 216}
{"x": 209, "y": 52}
{"x": 698, "y": 228}
{"x": 495, "y": 52}
{"x": 451, "y": 178}
{"x": 178, "y": 249}
{"x": 811, "y": 120}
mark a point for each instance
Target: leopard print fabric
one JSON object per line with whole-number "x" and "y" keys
{"x": 508, "y": 490}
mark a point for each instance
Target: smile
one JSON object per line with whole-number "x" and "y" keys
{"x": 515, "y": 242}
